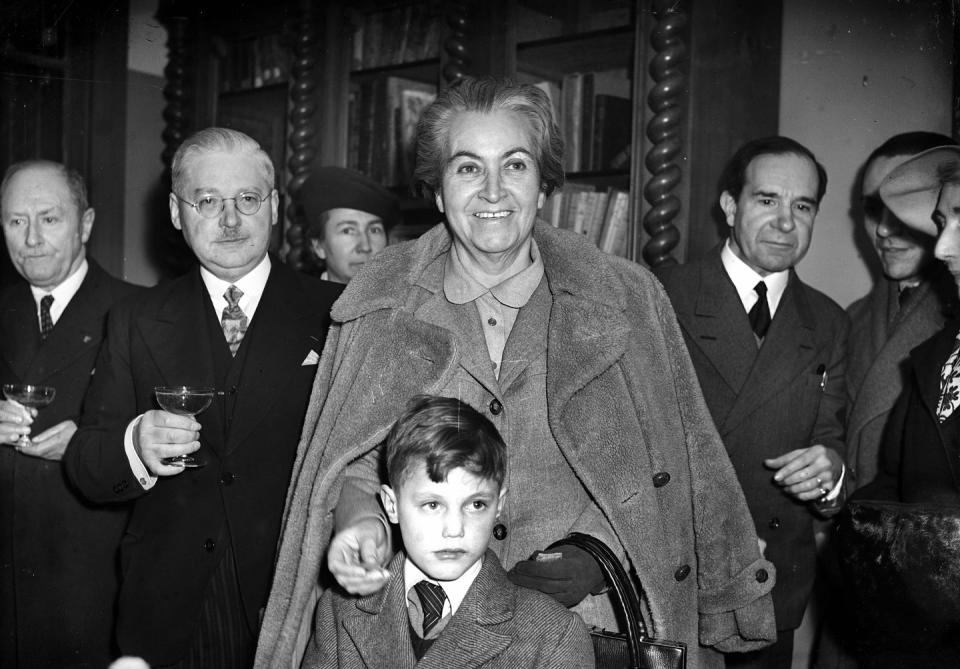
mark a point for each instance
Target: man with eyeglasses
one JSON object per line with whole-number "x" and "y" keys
{"x": 198, "y": 553}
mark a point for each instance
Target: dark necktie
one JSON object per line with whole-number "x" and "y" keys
{"x": 904, "y": 295}
{"x": 432, "y": 598}
{"x": 233, "y": 320}
{"x": 46, "y": 322}
{"x": 760, "y": 313}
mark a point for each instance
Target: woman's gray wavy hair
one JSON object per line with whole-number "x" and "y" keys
{"x": 487, "y": 95}
{"x": 216, "y": 139}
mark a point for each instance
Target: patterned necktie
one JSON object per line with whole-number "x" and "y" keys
{"x": 432, "y": 598}
{"x": 233, "y": 320}
{"x": 949, "y": 384}
{"x": 760, "y": 313}
{"x": 46, "y": 322}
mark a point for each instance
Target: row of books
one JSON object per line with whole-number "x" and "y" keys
{"x": 383, "y": 115}
{"x": 398, "y": 35}
{"x": 595, "y": 114}
{"x": 600, "y": 216}
{"x": 252, "y": 63}
{"x": 533, "y": 24}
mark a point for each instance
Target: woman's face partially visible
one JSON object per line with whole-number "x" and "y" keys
{"x": 491, "y": 184}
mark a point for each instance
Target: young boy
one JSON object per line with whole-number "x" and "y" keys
{"x": 448, "y": 602}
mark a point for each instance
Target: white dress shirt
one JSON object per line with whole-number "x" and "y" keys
{"x": 62, "y": 294}
{"x": 454, "y": 590}
{"x": 252, "y": 285}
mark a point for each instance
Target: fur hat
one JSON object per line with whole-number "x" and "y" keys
{"x": 912, "y": 189}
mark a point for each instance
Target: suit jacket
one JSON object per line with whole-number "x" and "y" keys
{"x": 58, "y": 572}
{"x": 881, "y": 337}
{"x": 789, "y": 394}
{"x": 179, "y": 529}
{"x": 920, "y": 457}
{"x": 622, "y": 405}
{"x": 498, "y": 626}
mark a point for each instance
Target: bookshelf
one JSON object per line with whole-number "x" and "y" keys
{"x": 653, "y": 97}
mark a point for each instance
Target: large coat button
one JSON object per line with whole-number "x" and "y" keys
{"x": 499, "y": 531}
{"x": 762, "y": 576}
{"x": 661, "y": 479}
{"x": 496, "y": 408}
{"x": 209, "y": 545}
{"x": 682, "y": 572}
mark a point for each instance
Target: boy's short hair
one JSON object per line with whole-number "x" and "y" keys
{"x": 444, "y": 433}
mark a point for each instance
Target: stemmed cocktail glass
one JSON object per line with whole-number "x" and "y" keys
{"x": 30, "y": 396}
{"x": 184, "y": 401}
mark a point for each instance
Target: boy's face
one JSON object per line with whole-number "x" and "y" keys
{"x": 445, "y": 526}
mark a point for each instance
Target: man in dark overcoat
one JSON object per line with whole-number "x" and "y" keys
{"x": 58, "y": 570}
{"x": 769, "y": 352}
{"x": 198, "y": 553}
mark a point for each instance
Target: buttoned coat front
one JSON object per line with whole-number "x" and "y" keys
{"x": 788, "y": 394}
{"x": 58, "y": 566}
{"x": 498, "y": 626}
{"x": 878, "y": 348}
{"x": 623, "y": 405}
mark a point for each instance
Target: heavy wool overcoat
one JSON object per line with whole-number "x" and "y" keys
{"x": 58, "y": 565}
{"x": 498, "y": 626}
{"x": 787, "y": 395}
{"x": 878, "y": 348}
{"x": 623, "y": 405}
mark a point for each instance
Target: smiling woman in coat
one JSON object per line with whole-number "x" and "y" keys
{"x": 575, "y": 356}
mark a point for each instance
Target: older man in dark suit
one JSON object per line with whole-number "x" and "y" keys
{"x": 58, "y": 571}
{"x": 198, "y": 553}
{"x": 769, "y": 353}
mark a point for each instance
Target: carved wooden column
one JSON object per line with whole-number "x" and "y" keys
{"x": 667, "y": 100}
{"x": 456, "y": 56}
{"x": 302, "y": 137}
{"x": 174, "y": 256}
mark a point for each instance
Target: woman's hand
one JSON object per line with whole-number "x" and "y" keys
{"x": 566, "y": 573}
{"x": 357, "y": 555}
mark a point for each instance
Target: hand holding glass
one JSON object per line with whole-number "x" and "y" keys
{"x": 184, "y": 401}
{"x": 30, "y": 396}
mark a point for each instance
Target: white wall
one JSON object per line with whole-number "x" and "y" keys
{"x": 855, "y": 72}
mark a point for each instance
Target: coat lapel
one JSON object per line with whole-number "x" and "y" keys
{"x": 21, "y": 335}
{"x": 79, "y": 329}
{"x": 882, "y": 383}
{"x": 379, "y": 624}
{"x": 479, "y": 631}
{"x": 276, "y": 349}
{"x": 181, "y": 356}
{"x": 786, "y": 351}
{"x": 720, "y": 327}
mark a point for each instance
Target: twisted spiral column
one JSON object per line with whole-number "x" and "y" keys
{"x": 456, "y": 54}
{"x": 174, "y": 256}
{"x": 301, "y": 140}
{"x": 666, "y": 100}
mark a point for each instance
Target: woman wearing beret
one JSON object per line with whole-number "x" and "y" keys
{"x": 576, "y": 357}
{"x": 349, "y": 217}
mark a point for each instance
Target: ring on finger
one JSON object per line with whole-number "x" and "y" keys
{"x": 823, "y": 492}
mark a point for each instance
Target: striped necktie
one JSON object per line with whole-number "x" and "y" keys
{"x": 432, "y": 598}
{"x": 233, "y": 320}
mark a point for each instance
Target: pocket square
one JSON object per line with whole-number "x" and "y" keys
{"x": 311, "y": 359}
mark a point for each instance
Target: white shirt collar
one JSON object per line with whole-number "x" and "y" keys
{"x": 455, "y": 590}
{"x": 62, "y": 294}
{"x": 251, "y": 284}
{"x": 745, "y": 279}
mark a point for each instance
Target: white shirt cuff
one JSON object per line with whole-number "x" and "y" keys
{"x": 835, "y": 492}
{"x": 144, "y": 477}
